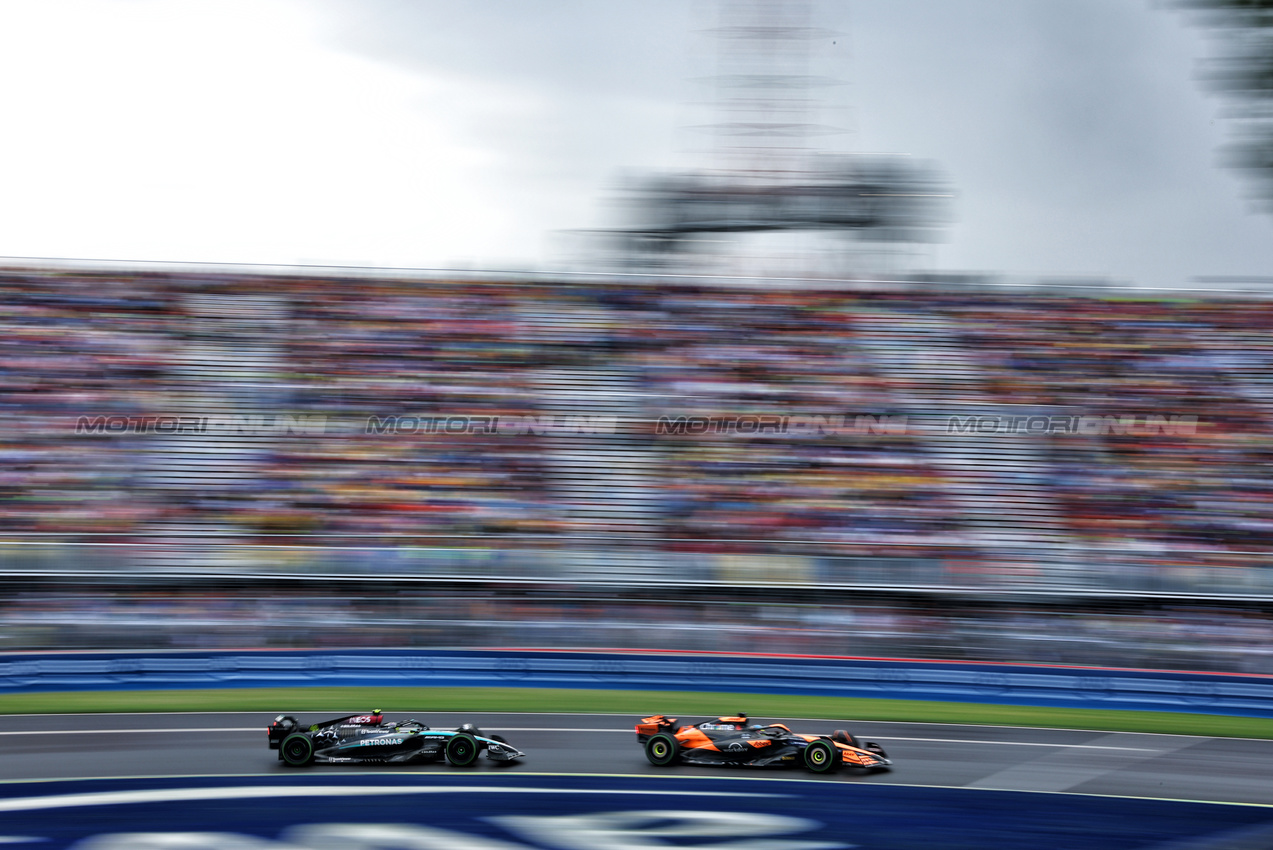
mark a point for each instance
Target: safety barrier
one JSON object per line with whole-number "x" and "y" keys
{"x": 1141, "y": 690}
{"x": 519, "y": 811}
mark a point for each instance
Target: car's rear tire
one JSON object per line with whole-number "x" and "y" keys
{"x": 297, "y": 750}
{"x": 662, "y": 749}
{"x": 461, "y": 750}
{"x": 821, "y": 756}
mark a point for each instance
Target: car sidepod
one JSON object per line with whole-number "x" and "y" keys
{"x": 460, "y": 749}
{"x": 389, "y": 746}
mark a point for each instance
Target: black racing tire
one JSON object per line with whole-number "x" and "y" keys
{"x": 462, "y": 750}
{"x": 297, "y": 750}
{"x": 821, "y": 756}
{"x": 662, "y": 750}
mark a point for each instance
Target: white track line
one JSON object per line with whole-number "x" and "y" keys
{"x": 1062, "y": 771}
{"x": 114, "y": 798}
{"x": 256, "y": 729}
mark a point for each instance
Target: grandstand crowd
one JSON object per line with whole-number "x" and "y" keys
{"x": 76, "y": 343}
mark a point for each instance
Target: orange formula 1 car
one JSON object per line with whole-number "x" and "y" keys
{"x": 736, "y": 741}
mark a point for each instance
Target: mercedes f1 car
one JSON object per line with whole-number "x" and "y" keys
{"x": 736, "y": 741}
{"x": 370, "y": 739}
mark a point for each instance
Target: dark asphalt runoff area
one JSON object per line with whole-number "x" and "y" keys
{"x": 80, "y": 746}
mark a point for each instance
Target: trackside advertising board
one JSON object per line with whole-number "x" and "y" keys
{"x": 1072, "y": 687}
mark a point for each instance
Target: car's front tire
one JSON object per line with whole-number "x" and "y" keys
{"x": 297, "y": 750}
{"x": 662, "y": 749}
{"x": 821, "y": 757}
{"x": 461, "y": 750}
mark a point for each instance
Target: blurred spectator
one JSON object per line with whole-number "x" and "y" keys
{"x": 1181, "y": 637}
{"x": 76, "y": 344}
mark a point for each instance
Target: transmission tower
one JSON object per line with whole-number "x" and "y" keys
{"x": 768, "y": 100}
{"x": 769, "y": 168}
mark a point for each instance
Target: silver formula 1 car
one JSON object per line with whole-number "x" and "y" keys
{"x": 370, "y": 739}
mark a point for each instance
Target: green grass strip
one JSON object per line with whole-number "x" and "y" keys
{"x": 634, "y": 704}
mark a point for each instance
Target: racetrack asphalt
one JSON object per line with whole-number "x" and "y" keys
{"x": 41, "y": 747}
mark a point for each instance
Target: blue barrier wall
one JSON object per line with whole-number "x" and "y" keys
{"x": 844, "y": 677}
{"x": 529, "y": 812}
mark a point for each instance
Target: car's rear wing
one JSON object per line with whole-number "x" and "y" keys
{"x": 650, "y": 726}
{"x": 285, "y": 725}
{"x": 375, "y": 718}
{"x": 282, "y": 726}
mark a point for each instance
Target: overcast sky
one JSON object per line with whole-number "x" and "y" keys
{"x": 473, "y": 133}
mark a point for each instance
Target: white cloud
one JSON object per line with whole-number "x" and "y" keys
{"x": 224, "y": 131}
{"x": 443, "y": 132}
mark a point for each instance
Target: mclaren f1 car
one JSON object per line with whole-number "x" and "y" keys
{"x": 370, "y": 739}
{"x": 736, "y": 741}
